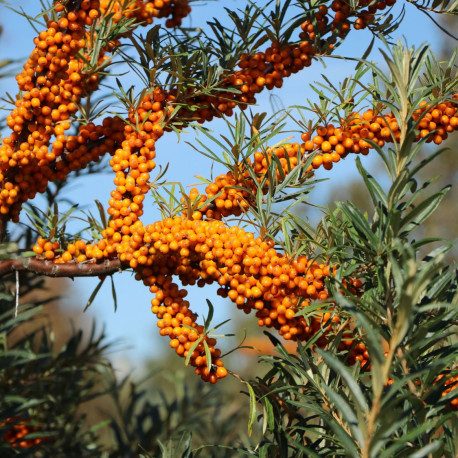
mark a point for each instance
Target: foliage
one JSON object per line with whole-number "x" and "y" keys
{"x": 43, "y": 386}
{"x": 369, "y": 300}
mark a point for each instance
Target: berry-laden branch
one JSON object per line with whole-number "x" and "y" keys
{"x": 64, "y": 68}
{"x": 357, "y": 134}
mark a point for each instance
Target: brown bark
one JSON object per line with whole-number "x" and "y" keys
{"x": 69, "y": 269}
{"x": 3, "y": 223}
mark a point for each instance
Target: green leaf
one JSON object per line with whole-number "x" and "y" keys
{"x": 352, "y": 384}
{"x": 252, "y": 414}
{"x": 94, "y": 294}
{"x": 345, "y": 411}
{"x": 268, "y": 417}
{"x": 427, "y": 449}
{"x": 423, "y": 210}
{"x": 343, "y": 438}
{"x": 398, "y": 189}
{"x": 366, "y": 54}
{"x": 113, "y": 293}
{"x": 214, "y": 328}
{"x": 374, "y": 188}
{"x": 208, "y": 355}
{"x": 207, "y": 321}
{"x": 191, "y": 350}
{"x": 361, "y": 224}
{"x": 402, "y": 441}
{"x": 103, "y": 216}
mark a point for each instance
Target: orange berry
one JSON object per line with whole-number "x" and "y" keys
{"x": 221, "y": 372}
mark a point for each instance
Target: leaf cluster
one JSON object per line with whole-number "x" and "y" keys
{"x": 44, "y": 386}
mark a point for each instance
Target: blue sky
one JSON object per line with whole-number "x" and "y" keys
{"x": 133, "y": 324}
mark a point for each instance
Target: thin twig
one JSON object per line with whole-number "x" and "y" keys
{"x": 426, "y": 11}
{"x": 17, "y": 294}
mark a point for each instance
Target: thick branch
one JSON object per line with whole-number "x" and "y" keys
{"x": 69, "y": 269}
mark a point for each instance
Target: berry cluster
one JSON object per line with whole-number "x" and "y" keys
{"x": 249, "y": 271}
{"x": 55, "y": 79}
{"x": 267, "y": 69}
{"x": 451, "y": 383}
{"x": 53, "y": 83}
{"x": 145, "y": 12}
{"x": 224, "y": 197}
{"x": 358, "y": 133}
{"x": 17, "y": 433}
{"x": 338, "y": 21}
{"x": 436, "y": 122}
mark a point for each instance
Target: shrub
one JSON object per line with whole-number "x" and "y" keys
{"x": 372, "y": 311}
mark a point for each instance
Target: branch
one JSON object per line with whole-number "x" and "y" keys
{"x": 69, "y": 269}
{"x": 3, "y": 224}
{"x": 425, "y": 10}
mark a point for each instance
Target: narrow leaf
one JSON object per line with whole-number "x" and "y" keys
{"x": 94, "y": 294}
